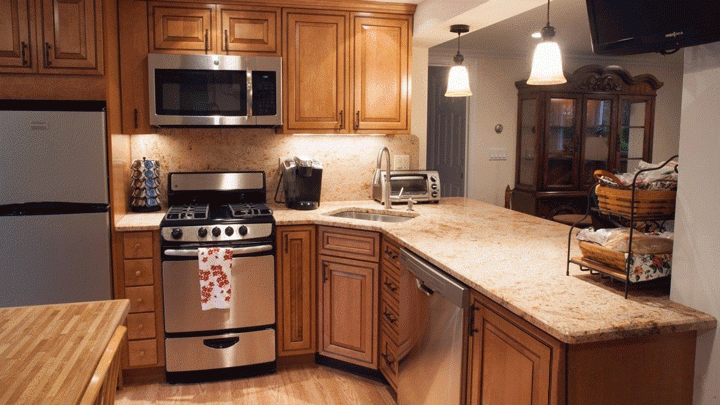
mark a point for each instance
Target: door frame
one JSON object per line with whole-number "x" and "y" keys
{"x": 444, "y": 59}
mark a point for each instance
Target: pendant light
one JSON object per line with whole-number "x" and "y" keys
{"x": 547, "y": 62}
{"x": 458, "y": 81}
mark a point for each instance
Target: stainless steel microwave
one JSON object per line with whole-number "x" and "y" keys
{"x": 206, "y": 90}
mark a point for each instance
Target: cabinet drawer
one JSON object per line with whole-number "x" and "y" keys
{"x": 137, "y": 245}
{"x": 141, "y": 298}
{"x": 138, "y": 272}
{"x": 391, "y": 254}
{"x": 390, "y": 319}
{"x": 348, "y": 243}
{"x": 390, "y": 286}
{"x": 141, "y": 326}
{"x": 387, "y": 363}
{"x": 142, "y": 352}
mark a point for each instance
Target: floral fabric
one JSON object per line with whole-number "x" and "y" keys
{"x": 648, "y": 267}
{"x": 215, "y": 272}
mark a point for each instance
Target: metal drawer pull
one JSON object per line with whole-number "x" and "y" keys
{"x": 391, "y": 286}
{"x": 387, "y": 359}
{"x": 389, "y": 317}
{"x": 23, "y": 47}
{"x": 48, "y": 62}
{"x": 221, "y": 343}
{"x": 390, "y": 254}
{"x": 236, "y": 251}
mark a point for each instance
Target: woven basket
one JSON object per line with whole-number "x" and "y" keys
{"x": 595, "y": 252}
{"x": 648, "y": 203}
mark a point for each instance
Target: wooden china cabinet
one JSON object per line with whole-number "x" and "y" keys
{"x": 602, "y": 118}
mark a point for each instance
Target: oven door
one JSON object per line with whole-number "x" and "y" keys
{"x": 253, "y": 291}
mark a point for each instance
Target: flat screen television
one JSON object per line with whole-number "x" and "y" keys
{"x": 626, "y": 27}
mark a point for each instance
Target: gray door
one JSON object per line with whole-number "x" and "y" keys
{"x": 446, "y": 133}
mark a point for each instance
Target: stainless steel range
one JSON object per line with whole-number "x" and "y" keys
{"x": 225, "y": 210}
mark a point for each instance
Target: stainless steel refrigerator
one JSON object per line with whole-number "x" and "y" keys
{"x": 54, "y": 211}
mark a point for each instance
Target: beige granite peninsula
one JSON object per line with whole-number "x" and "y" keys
{"x": 519, "y": 262}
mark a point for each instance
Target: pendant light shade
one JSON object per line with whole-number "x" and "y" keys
{"x": 458, "y": 80}
{"x": 547, "y": 61}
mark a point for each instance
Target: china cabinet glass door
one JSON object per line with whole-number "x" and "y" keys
{"x": 560, "y": 142}
{"x": 527, "y": 154}
{"x": 597, "y": 129}
{"x": 631, "y": 147}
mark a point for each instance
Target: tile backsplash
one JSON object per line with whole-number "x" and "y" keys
{"x": 348, "y": 160}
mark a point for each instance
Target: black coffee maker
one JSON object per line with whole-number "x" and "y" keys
{"x": 302, "y": 179}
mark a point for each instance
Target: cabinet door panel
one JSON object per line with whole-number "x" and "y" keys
{"x": 15, "y": 45}
{"x": 245, "y": 30}
{"x": 72, "y": 40}
{"x": 381, "y": 73}
{"x": 181, "y": 27}
{"x": 316, "y": 71}
{"x": 349, "y": 310}
{"x": 296, "y": 290}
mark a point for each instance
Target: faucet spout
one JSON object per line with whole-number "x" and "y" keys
{"x": 386, "y": 184}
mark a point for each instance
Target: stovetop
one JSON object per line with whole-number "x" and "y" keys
{"x": 200, "y": 214}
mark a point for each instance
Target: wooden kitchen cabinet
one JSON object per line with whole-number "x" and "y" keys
{"x": 213, "y": 28}
{"x": 137, "y": 277}
{"x": 296, "y": 290}
{"x": 133, "y": 29}
{"x": 381, "y": 77}
{"x": 348, "y": 295}
{"x": 51, "y": 37}
{"x": 510, "y": 362}
{"x": 362, "y": 61}
{"x": 316, "y": 70}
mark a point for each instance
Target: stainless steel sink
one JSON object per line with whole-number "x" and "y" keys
{"x": 372, "y": 216}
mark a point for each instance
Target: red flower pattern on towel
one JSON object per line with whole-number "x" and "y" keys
{"x": 215, "y": 270}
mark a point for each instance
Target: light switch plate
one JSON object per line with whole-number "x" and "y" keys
{"x": 401, "y": 162}
{"x": 498, "y": 153}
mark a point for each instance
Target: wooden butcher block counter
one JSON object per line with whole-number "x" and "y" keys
{"x": 49, "y": 353}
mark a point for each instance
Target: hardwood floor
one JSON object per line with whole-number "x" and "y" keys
{"x": 292, "y": 385}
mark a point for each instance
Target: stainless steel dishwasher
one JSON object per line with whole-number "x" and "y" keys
{"x": 432, "y": 370}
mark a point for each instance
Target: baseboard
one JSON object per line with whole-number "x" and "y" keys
{"x": 351, "y": 368}
{"x": 146, "y": 375}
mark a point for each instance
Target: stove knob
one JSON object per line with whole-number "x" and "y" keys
{"x": 229, "y": 231}
{"x": 242, "y": 230}
{"x": 202, "y": 232}
{"x": 216, "y": 231}
{"x": 176, "y": 233}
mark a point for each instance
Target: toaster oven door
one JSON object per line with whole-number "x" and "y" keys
{"x": 411, "y": 186}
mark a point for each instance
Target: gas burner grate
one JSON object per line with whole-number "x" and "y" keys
{"x": 250, "y": 210}
{"x": 178, "y": 212}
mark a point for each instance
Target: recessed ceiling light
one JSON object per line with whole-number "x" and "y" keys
{"x": 536, "y": 35}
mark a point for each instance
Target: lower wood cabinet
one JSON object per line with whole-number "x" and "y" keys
{"x": 137, "y": 277}
{"x": 296, "y": 290}
{"x": 349, "y": 307}
{"x": 509, "y": 361}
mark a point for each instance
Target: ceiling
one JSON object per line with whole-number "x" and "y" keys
{"x": 512, "y": 36}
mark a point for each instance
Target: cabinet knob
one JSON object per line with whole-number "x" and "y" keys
{"x": 138, "y": 273}
{"x": 140, "y": 326}
{"x": 140, "y": 300}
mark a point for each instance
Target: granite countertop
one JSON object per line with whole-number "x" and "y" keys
{"x": 518, "y": 261}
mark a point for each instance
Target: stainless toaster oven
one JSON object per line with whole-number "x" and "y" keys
{"x": 420, "y": 185}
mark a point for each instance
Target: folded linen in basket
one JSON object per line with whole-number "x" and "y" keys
{"x": 215, "y": 272}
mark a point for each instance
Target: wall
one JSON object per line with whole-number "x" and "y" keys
{"x": 697, "y": 224}
{"x": 348, "y": 160}
{"x": 418, "y": 116}
{"x": 494, "y": 101}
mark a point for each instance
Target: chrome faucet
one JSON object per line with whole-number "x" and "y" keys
{"x": 386, "y": 190}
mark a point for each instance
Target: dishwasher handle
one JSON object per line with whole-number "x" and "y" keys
{"x": 431, "y": 280}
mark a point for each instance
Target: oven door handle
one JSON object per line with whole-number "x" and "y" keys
{"x": 236, "y": 251}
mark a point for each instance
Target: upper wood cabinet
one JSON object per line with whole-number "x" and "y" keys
{"x": 296, "y": 290}
{"x": 213, "y": 28}
{"x": 51, "y": 36}
{"x": 346, "y": 72}
{"x": 16, "y": 35}
{"x": 381, "y": 72}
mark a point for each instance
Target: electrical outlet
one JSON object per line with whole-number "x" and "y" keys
{"x": 401, "y": 162}
{"x": 498, "y": 153}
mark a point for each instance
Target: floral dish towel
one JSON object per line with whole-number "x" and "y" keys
{"x": 215, "y": 273}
